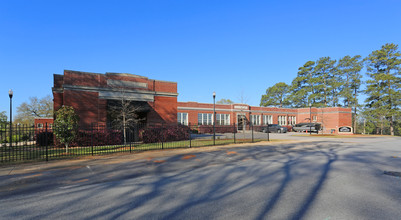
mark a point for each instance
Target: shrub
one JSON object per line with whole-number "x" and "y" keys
{"x": 42, "y": 136}
{"x": 104, "y": 137}
{"x": 165, "y": 133}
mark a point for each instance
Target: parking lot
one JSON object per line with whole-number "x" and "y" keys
{"x": 300, "y": 177}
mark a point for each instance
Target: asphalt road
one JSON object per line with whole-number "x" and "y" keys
{"x": 316, "y": 178}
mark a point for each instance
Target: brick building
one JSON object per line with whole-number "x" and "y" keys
{"x": 41, "y": 123}
{"x": 243, "y": 115}
{"x": 91, "y": 94}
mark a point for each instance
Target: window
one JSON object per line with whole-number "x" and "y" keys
{"x": 255, "y": 119}
{"x": 292, "y": 120}
{"x": 205, "y": 119}
{"x": 282, "y": 120}
{"x": 222, "y": 119}
{"x": 40, "y": 125}
{"x": 314, "y": 118}
{"x": 267, "y": 119}
{"x": 182, "y": 118}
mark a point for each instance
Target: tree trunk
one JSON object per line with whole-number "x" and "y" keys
{"x": 125, "y": 140}
{"x": 355, "y": 104}
{"x": 391, "y": 104}
{"x": 355, "y": 122}
{"x": 391, "y": 126}
{"x": 66, "y": 148}
{"x": 325, "y": 93}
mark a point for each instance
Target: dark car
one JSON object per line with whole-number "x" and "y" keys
{"x": 274, "y": 128}
{"x": 307, "y": 127}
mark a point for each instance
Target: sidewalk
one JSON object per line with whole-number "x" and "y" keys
{"x": 31, "y": 167}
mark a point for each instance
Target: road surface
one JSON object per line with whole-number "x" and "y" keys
{"x": 304, "y": 178}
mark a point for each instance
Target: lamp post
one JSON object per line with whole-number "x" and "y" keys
{"x": 10, "y": 94}
{"x": 214, "y": 118}
{"x": 310, "y": 118}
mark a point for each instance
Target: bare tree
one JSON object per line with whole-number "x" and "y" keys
{"x": 124, "y": 114}
{"x": 243, "y": 99}
{"x": 27, "y": 111}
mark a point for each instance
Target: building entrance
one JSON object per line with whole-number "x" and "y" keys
{"x": 242, "y": 122}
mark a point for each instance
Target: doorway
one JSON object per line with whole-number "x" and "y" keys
{"x": 242, "y": 122}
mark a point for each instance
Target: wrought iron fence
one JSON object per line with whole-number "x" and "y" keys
{"x": 29, "y": 143}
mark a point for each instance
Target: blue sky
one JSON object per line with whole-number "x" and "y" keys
{"x": 236, "y": 48}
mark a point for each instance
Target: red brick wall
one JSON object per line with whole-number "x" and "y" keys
{"x": 91, "y": 109}
{"x": 43, "y": 121}
{"x": 58, "y": 81}
{"x": 85, "y": 104}
{"x": 57, "y": 101}
{"x": 161, "y": 86}
{"x": 83, "y": 79}
{"x": 331, "y": 118}
{"x": 164, "y": 110}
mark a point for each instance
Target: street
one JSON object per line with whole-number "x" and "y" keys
{"x": 300, "y": 178}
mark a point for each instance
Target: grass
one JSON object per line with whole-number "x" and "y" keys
{"x": 30, "y": 153}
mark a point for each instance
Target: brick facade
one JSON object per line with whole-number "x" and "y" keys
{"x": 331, "y": 118}
{"x": 88, "y": 94}
{"x": 41, "y": 123}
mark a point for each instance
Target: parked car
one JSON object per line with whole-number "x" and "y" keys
{"x": 306, "y": 127}
{"x": 274, "y": 128}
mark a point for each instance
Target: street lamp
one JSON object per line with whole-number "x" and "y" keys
{"x": 10, "y": 94}
{"x": 214, "y": 118}
{"x": 310, "y": 118}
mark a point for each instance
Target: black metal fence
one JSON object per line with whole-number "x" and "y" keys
{"x": 29, "y": 143}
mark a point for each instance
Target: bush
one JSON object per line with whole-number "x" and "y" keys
{"x": 97, "y": 138}
{"x": 100, "y": 138}
{"x": 165, "y": 133}
{"x": 42, "y": 136}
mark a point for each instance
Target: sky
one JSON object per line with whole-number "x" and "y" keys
{"x": 236, "y": 48}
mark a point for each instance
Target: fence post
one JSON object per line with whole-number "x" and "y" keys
{"x": 92, "y": 138}
{"x": 130, "y": 140}
{"x": 162, "y": 134}
{"x": 252, "y": 134}
{"x": 1, "y": 138}
{"x": 267, "y": 131}
{"x": 47, "y": 151}
{"x": 190, "y": 139}
{"x": 234, "y": 133}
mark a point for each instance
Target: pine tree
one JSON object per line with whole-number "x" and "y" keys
{"x": 348, "y": 69}
{"x": 383, "y": 87}
{"x": 323, "y": 82}
{"x": 276, "y": 95}
{"x": 302, "y": 86}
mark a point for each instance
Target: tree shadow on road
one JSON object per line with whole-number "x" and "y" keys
{"x": 177, "y": 189}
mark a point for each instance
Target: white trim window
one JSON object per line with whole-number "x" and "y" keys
{"x": 205, "y": 119}
{"x": 314, "y": 118}
{"x": 282, "y": 120}
{"x": 222, "y": 119}
{"x": 267, "y": 119}
{"x": 255, "y": 119}
{"x": 182, "y": 118}
{"x": 292, "y": 120}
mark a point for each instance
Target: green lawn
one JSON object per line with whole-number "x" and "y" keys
{"x": 31, "y": 152}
